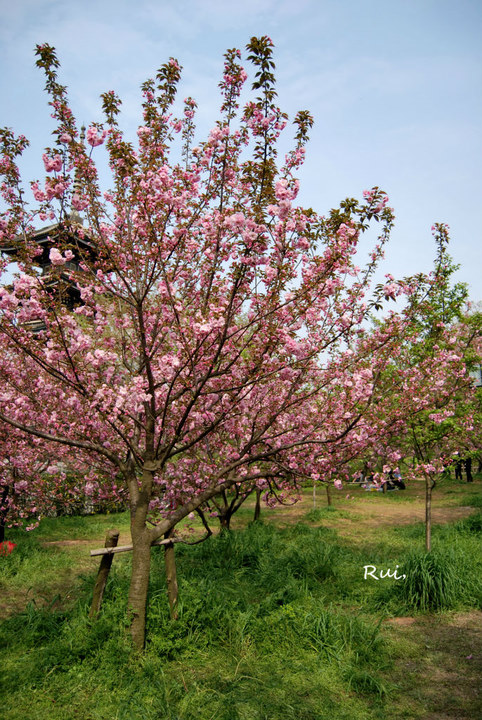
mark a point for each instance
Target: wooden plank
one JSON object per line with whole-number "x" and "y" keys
{"x": 126, "y": 548}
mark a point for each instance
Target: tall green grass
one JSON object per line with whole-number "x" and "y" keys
{"x": 431, "y": 582}
{"x": 256, "y": 638}
{"x": 472, "y": 500}
{"x": 447, "y": 578}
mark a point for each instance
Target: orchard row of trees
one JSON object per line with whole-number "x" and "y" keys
{"x": 224, "y": 341}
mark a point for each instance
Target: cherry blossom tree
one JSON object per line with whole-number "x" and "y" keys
{"x": 428, "y": 399}
{"x": 217, "y": 337}
{"x": 439, "y": 427}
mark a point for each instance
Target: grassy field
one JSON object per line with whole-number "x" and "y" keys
{"x": 275, "y": 621}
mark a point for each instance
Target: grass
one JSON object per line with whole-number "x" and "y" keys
{"x": 275, "y": 619}
{"x": 474, "y": 500}
{"x": 81, "y": 527}
{"x": 445, "y": 579}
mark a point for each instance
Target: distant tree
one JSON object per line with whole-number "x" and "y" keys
{"x": 430, "y": 402}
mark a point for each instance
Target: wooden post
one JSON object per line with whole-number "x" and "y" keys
{"x": 171, "y": 575}
{"x": 257, "y": 507}
{"x": 428, "y": 513}
{"x": 110, "y": 542}
{"x": 328, "y": 494}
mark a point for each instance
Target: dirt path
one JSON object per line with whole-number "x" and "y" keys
{"x": 365, "y": 512}
{"x": 368, "y": 515}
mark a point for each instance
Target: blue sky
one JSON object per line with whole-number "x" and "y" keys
{"x": 395, "y": 89}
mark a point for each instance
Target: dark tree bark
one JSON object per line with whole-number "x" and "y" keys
{"x": 225, "y": 519}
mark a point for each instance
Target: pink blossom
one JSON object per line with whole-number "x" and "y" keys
{"x": 21, "y": 486}
{"x": 56, "y": 257}
{"x": 38, "y": 194}
{"x": 95, "y": 138}
{"x": 52, "y": 163}
{"x": 78, "y": 203}
{"x": 235, "y": 222}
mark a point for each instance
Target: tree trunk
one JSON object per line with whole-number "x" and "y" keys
{"x": 225, "y": 521}
{"x": 105, "y": 564}
{"x": 141, "y": 555}
{"x": 257, "y": 507}
{"x": 428, "y": 513}
{"x": 328, "y": 494}
{"x": 314, "y": 494}
{"x": 171, "y": 576}
{"x": 137, "y": 600}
